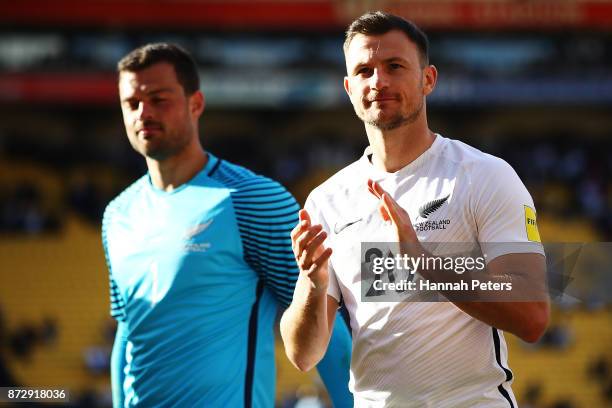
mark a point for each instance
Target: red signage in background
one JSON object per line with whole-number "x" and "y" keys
{"x": 90, "y": 89}
{"x": 99, "y": 88}
{"x": 306, "y": 14}
{"x": 527, "y": 14}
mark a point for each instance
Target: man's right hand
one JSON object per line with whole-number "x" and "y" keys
{"x": 310, "y": 254}
{"x": 307, "y": 324}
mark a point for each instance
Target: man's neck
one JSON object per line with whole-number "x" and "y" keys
{"x": 395, "y": 149}
{"x": 170, "y": 173}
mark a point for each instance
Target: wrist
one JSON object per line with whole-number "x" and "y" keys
{"x": 310, "y": 288}
{"x": 413, "y": 248}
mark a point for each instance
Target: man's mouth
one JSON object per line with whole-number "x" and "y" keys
{"x": 383, "y": 99}
{"x": 148, "y": 130}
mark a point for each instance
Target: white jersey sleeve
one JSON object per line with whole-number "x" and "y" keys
{"x": 503, "y": 210}
{"x": 316, "y": 216}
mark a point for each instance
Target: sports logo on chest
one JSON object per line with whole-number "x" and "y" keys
{"x": 428, "y": 212}
{"x": 189, "y": 242}
{"x": 162, "y": 236}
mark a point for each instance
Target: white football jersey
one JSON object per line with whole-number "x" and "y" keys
{"x": 425, "y": 354}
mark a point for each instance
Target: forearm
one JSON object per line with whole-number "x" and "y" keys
{"x": 117, "y": 366}
{"x": 527, "y": 320}
{"x": 521, "y": 309}
{"x": 305, "y": 327}
{"x": 518, "y": 301}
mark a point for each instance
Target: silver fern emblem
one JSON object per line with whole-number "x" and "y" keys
{"x": 427, "y": 209}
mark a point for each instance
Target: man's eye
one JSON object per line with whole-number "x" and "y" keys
{"x": 395, "y": 66}
{"x": 363, "y": 71}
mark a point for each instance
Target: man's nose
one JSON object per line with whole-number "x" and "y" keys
{"x": 144, "y": 111}
{"x": 379, "y": 80}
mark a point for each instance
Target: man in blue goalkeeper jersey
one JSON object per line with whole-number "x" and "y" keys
{"x": 199, "y": 255}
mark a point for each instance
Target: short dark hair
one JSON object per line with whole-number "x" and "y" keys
{"x": 380, "y": 22}
{"x": 150, "y": 54}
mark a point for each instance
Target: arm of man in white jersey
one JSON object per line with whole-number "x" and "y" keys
{"x": 307, "y": 324}
{"x": 525, "y": 319}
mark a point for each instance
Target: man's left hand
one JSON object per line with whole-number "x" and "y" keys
{"x": 391, "y": 211}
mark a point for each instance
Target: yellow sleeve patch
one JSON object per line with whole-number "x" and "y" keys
{"x": 531, "y": 225}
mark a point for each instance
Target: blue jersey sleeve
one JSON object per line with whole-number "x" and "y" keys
{"x": 117, "y": 305}
{"x": 117, "y": 365}
{"x": 117, "y": 311}
{"x": 266, "y": 213}
{"x": 334, "y": 368}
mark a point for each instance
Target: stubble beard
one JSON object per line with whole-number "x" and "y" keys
{"x": 168, "y": 145}
{"x": 395, "y": 122}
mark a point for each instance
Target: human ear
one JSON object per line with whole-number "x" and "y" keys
{"x": 197, "y": 102}
{"x": 430, "y": 76}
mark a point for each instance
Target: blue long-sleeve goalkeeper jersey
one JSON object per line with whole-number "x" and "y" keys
{"x": 196, "y": 279}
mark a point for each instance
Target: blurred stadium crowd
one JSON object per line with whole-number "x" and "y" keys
{"x": 274, "y": 94}
{"x": 538, "y": 98}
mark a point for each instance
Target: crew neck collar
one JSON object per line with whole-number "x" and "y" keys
{"x": 411, "y": 167}
{"x": 211, "y": 163}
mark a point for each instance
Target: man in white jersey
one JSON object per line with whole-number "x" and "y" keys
{"x": 431, "y": 189}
